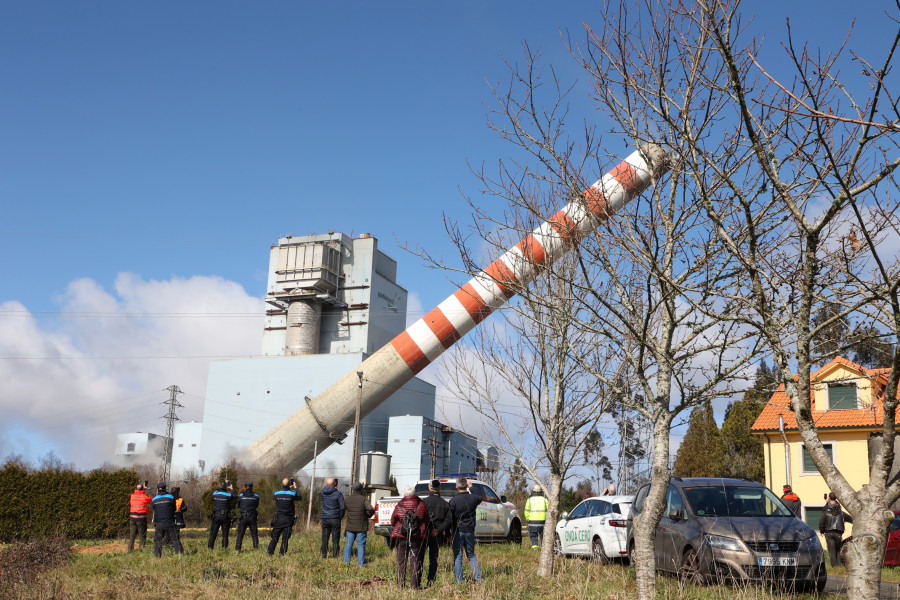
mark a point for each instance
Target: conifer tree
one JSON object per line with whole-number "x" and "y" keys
{"x": 700, "y": 453}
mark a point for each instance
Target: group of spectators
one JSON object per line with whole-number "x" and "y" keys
{"x": 428, "y": 524}
{"x": 418, "y": 525}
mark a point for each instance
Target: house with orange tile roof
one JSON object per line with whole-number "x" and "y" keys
{"x": 847, "y": 409}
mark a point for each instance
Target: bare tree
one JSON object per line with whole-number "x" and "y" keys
{"x": 519, "y": 373}
{"x": 812, "y": 218}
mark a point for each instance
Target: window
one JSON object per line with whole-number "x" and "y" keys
{"x": 181, "y": 445}
{"x": 593, "y": 508}
{"x": 193, "y": 445}
{"x": 673, "y": 502}
{"x": 579, "y": 511}
{"x": 603, "y": 508}
{"x": 842, "y": 396}
{"x": 130, "y": 447}
{"x": 809, "y": 467}
{"x": 811, "y": 516}
{"x": 639, "y": 500}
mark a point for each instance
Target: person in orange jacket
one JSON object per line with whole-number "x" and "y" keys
{"x": 137, "y": 522}
{"x": 791, "y": 500}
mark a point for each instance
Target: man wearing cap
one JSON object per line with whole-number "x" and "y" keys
{"x": 791, "y": 500}
{"x": 164, "y": 520}
{"x": 441, "y": 525}
{"x": 137, "y": 522}
{"x": 248, "y": 503}
{"x": 536, "y": 514}
{"x": 358, "y": 512}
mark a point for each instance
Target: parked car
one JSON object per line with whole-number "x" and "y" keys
{"x": 730, "y": 529}
{"x": 497, "y": 520}
{"x": 892, "y": 548}
{"x": 595, "y": 528}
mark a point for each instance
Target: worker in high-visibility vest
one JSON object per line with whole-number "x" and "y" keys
{"x": 536, "y": 513}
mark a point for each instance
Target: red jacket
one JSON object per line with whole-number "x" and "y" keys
{"x": 140, "y": 504}
{"x": 409, "y": 503}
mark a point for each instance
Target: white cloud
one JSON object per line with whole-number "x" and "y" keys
{"x": 72, "y": 383}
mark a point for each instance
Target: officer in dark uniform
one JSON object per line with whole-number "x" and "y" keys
{"x": 283, "y": 521}
{"x": 164, "y": 520}
{"x": 223, "y": 501}
{"x": 248, "y": 503}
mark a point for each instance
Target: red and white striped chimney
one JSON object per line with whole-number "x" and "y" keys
{"x": 331, "y": 414}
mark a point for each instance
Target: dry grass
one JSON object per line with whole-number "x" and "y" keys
{"x": 105, "y": 572}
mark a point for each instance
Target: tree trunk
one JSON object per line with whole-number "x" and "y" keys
{"x": 651, "y": 512}
{"x": 545, "y": 567}
{"x": 864, "y": 554}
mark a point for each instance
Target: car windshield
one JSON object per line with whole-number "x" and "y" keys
{"x": 448, "y": 489}
{"x": 735, "y": 501}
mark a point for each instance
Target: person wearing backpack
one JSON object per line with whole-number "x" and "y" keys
{"x": 441, "y": 525}
{"x": 410, "y": 528}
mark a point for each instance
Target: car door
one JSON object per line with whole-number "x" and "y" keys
{"x": 892, "y": 549}
{"x": 599, "y": 517}
{"x": 487, "y": 511}
{"x": 576, "y": 530}
{"x": 668, "y": 555}
{"x": 495, "y": 510}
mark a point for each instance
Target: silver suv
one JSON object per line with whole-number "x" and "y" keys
{"x": 731, "y": 529}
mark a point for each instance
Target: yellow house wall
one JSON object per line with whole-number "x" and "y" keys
{"x": 864, "y": 386}
{"x": 851, "y": 456}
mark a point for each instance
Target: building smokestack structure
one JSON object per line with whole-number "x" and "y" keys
{"x": 328, "y": 416}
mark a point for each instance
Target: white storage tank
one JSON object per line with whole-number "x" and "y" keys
{"x": 375, "y": 469}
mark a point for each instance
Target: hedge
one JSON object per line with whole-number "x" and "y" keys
{"x": 63, "y": 502}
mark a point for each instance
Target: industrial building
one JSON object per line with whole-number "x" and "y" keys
{"x": 139, "y": 448}
{"x": 331, "y": 301}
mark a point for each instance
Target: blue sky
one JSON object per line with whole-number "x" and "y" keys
{"x": 156, "y": 150}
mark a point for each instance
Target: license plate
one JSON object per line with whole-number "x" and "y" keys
{"x": 776, "y": 561}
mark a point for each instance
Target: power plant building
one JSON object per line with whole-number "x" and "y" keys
{"x": 331, "y": 301}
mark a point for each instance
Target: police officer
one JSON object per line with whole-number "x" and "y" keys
{"x": 248, "y": 503}
{"x": 283, "y": 521}
{"x": 164, "y": 520}
{"x": 223, "y": 501}
{"x": 536, "y": 514}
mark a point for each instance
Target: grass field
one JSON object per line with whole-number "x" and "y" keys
{"x": 101, "y": 569}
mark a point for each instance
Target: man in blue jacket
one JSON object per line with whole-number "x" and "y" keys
{"x": 332, "y": 512}
{"x": 164, "y": 520}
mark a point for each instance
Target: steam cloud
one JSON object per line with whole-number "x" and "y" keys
{"x": 71, "y": 383}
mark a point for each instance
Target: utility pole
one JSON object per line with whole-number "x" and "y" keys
{"x": 354, "y": 467}
{"x": 170, "y": 418}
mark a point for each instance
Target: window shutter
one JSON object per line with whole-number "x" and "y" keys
{"x": 808, "y": 465}
{"x": 842, "y": 397}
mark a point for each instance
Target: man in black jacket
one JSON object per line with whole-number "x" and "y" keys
{"x": 164, "y": 520}
{"x": 283, "y": 521}
{"x": 223, "y": 501}
{"x": 463, "y": 507}
{"x": 248, "y": 503}
{"x": 441, "y": 523}
{"x": 831, "y": 525}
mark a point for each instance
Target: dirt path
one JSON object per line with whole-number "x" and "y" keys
{"x": 101, "y": 548}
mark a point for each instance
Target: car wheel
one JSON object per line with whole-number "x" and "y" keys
{"x": 598, "y": 554}
{"x": 690, "y": 568}
{"x": 557, "y": 545}
{"x": 515, "y": 534}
